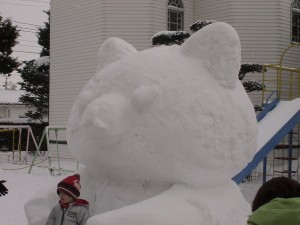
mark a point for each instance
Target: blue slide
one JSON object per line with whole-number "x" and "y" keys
{"x": 274, "y": 123}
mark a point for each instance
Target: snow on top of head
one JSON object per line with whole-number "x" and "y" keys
{"x": 109, "y": 53}
{"x": 169, "y": 32}
{"x": 169, "y": 114}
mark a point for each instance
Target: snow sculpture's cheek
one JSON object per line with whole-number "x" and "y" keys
{"x": 105, "y": 120}
{"x": 143, "y": 97}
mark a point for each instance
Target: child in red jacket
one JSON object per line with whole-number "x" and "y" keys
{"x": 70, "y": 210}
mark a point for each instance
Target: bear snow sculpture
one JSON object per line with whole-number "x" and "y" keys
{"x": 161, "y": 132}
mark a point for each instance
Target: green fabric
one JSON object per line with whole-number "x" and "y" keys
{"x": 279, "y": 211}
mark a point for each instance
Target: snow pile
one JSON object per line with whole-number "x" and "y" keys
{"x": 23, "y": 186}
{"x": 161, "y": 133}
{"x": 44, "y": 60}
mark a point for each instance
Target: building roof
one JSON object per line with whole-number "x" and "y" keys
{"x": 11, "y": 97}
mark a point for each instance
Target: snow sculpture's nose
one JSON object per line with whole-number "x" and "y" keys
{"x": 106, "y": 119}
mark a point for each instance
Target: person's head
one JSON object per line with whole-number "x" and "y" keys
{"x": 278, "y": 187}
{"x": 68, "y": 189}
{"x": 65, "y": 198}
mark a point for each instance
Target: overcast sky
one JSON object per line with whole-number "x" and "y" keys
{"x": 28, "y": 15}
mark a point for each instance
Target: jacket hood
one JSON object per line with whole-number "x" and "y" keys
{"x": 81, "y": 202}
{"x": 279, "y": 211}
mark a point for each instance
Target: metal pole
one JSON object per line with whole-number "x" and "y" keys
{"x": 38, "y": 150}
{"x": 280, "y": 62}
{"x": 57, "y": 148}
{"x": 27, "y": 143}
{"x": 13, "y": 145}
{"x": 290, "y": 153}
{"x": 19, "y": 143}
{"x": 265, "y": 170}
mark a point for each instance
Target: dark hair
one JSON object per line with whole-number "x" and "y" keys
{"x": 278, "y": 187}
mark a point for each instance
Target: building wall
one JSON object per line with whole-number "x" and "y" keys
{"x": 264, "y": 28}
{"x": 76, "y": 33}
{"x": 78, "y": 29}
{"x": 3, "y": 111}
{"x": 17, "y": 110}
{"x": 292, "y": 56}
{"x": 129, "y": 20}
{"x": 12, "y": 111}
{"x": 257, "y": 24}
{"x": 221, "y": 11}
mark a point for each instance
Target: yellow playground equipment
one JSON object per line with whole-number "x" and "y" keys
{"x": 285, "y": 80}
{"x": 16, "y": 131}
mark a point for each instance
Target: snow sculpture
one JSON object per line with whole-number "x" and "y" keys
{"x": 161, "y": 133}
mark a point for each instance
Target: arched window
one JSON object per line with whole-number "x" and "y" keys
{"x": 175, "y": 15}
{"x": 296, "y": 21}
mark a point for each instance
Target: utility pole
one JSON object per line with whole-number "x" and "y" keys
{"x": 5, "y": 84}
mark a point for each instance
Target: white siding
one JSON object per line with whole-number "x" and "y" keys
{"x": 129, "y": 20}
{"x": 137, "y": 21}
{"x": 264, "y": 30}
{"x": 76, "y": 34}
{"x": 3, "y": 112}
{"x": 292, "y": 56}
{"x": 79, "y": 27}
{"x": 214, "y": 10}
{"x": 159, "y": 16}
{"x": 77, "y": 31}
{"x": 188, "y": 14}
{"x": 257, "y": 24}
{"x": 17, "y": 110}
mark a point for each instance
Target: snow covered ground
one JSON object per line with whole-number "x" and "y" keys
{"x": 159, "y": 130}
{"x": 22, "y": 186}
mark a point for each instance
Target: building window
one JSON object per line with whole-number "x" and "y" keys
{"x": 175, "y": 15}
{"x": 296, "y": 21}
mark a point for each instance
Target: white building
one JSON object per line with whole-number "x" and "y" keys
{"x": 78, "y": 27}
{"x": 11, "y": 109}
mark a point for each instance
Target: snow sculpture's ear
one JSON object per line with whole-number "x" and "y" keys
{"x": 112, "y": 50}
{"x": 217, "y": 47}
{"x": 143, "y": 97}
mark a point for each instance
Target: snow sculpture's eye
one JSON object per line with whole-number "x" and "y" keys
{"x": 143, "y": 97}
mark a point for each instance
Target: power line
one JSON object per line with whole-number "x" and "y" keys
{"x": 29, "y": 46}
{"x": 28, "y": 41}
{"x": 34, "y": 1}
{"x": 28, "y": 29}
{"x": 27, "y": 23}
{"x": 22, "y": 5}
{"x": 28, "y": 52}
